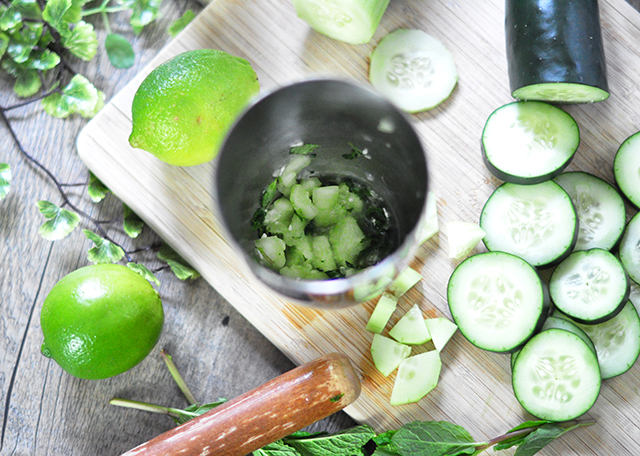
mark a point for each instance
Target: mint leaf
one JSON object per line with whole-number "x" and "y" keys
{"x": 433, "y": 438}
{"x": 355, "y": 153}
{"x": 347, "y": 443}
{"x": 81, "y": 41}
{"x": 60, "y": 222}
{"x": 179, "y": 24}
{"x": 195, "y": 410}
{"x": 519, "y": 437}
{"x": 543, "y": 436}
{"x": 132, "y": 223}
{"x": 79, "y": 96}
{"x": 305, "y": 149}
{"x": 104, "y": 251}
{"x": 269, "y": 194}
{"x": 144, "y": 272}
{"x": 119, "y": 50}
{"x": 96, "y": 189}
{"x": 276, "y": 449}
{"x": 5, "y": 180}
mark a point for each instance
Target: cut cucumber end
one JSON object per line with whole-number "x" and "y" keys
{"x": 417, "y": 376}
{"x": 404, "y": 282}
{"x": 381, "y": 313}
{"x": 441, "y": 330}
{"x": 411, "y": 329}
{"x": 561, "y": 92}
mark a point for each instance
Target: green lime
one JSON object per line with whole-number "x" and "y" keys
{"x": 184, "y": 107}
{"x": 100, "y": 321}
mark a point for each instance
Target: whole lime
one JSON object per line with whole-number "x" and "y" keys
{"x": 184, "y": 107}
{"x": 100, "y": 321}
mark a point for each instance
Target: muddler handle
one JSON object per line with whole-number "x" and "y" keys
{"x": 265, "y": 414}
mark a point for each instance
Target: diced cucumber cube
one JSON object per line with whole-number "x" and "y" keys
{"x": 350, "y": 200}
{"x": 387, "y": 354}
{"x": 441, "y": 330}
{"x": 301, "y": 200}
{"x": 431, "y": 226}
{"x": 290, "y": 172}
{"x": 303, "y": 271}
{"x": 411, "y": 328}
{"x": 322, "y": 256}
{"x": 347, "y": 240}
{"x": 310, "y": 183}
{"x": 278, "y": 216}
{"x": 295, "y": 257}
{"x": 417, "y": 376}
{"x": 304, "y": 245}
{"x": 404, "y": 282}
{"x": 294, "y": 231}
{"x": 271, "y": 251}
{"x": 463, "y": 237}
{"x": 327, "y": 201}
{"x": 381, "y": 313}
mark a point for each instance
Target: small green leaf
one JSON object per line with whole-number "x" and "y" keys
{"x": 74, "y": 13}
{"x": 27, "y": 84}
{"x": 179, "y": 24}
{"x": 196, "y": 410}
{"x": 60, "y": 222}
{"x": 79, "y": 96}
{"x": 433, "y": 438}
{"x": 54, "y": 14}
{"x": 56, "y": 105}
{"x": 538, "y": 439}
{"x": 23, "y": 42}
{"x": 5, "y": 180}
{"x": 355, "y": 153}
{"x": 4, "y": 43}
{"x": 276, "y": 449}
{"x": 345, "y": 443}
{"x": 269, "y": 194}
{"x": 28, "y": 9}
{"x": 104, "y": 251}
{"x": 96, "y": 189}
{"x": 305, "y": 149}
{"x": 42, "y": 60}
{"x": 119, "y": 50}
{"x": 132, "y": 223}
{"x": 178, "y": 265}
{"x": 144, "y": 12}
{"x": 10, "y": 19}
{"x": 81, "y": 41}
{"x": 144, "y": 272}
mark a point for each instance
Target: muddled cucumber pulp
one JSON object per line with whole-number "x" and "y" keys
{"x": 318, "y": 227}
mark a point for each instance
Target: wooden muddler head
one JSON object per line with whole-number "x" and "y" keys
{"x": 270, "y": 412}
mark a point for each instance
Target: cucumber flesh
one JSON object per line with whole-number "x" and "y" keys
{"x": 629, "y": 252}
{"x": 626, "y": 169}
{"x": 441, "y": 330}
{"x": 431, "y": 226}
{"x": 559, "y": 321}
{"x": 387, "y": 354}
{"x": 463, "y": 237}
{"x": 406, "y": 280}
{"x": 379, "y": 318}
{"x": 528, "y": 142}
{"x": 413, "y": 69}
{"x": 411, "y": 328}
{"x": 417, "y": 376}
{"x": 561, "y": 92}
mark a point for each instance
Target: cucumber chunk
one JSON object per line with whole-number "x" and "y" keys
{"x": 629, "y": 252}
{"x": 417, "y": 376}
{"x": 328, "y": 201}
{"x": 431, "y": 226}
{"x": 322, "y": 255}
{"x": 413, "y": 69}
{"x": 535, "y": 222}
{"x": 271, "y": 251}
{"x": 411, "y": 328}
{"x": 463, "y": 237}
{"x": 387, "y": 354}
{"x": 441, "y": 330}
{"x": 600, "y": 209}
{"x": 351, "y": 21}
{"x": 590, "y": 286}
{"x": 381, "y": 313}
{"x": 278, "y": 216}
{"x": 347, "y": 241}
{"x": 294, "y": 165}
{"x": 556, "y": 376}
{"x": 528, "y": 142}
{"x": 497, "y": 300}
{"x": 626, "y": 169}
{"x": 406, "y": 280}
{"x": 301, "y": 201}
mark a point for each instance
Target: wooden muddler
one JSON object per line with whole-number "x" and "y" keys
{"x": 265, "y": 414}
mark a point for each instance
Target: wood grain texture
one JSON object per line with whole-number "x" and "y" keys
{"x": 43, "y": 410}
{"x": 474, "y": 389}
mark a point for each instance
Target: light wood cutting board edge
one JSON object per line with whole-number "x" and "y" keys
{"x": 299, "y": 332}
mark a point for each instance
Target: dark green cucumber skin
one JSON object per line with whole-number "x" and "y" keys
{"x": 550, "y": 41}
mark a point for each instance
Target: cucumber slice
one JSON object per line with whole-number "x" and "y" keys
{"x": 404, "y": 282}
{"x": 387, "y": 354}
{"x": 600, "y": 209}
{"x": 431, "y": 226}
{"x": 351, "y": 21}
{"x": 497, "y": 300}
{"x": 463, "y": 237}
{"x": 535, "y": 222}
{"x": 381, "y": 313}
{"x": 441, "y": 330}
{"x": 528, "y": 142}
{"x": 561, "y": 322}
{"x": 417, "y": 376}
{"x": 626, "y": 169}
{"x": 590, "y": 286}
{"x": 411, "y": 328}
{"x": 556, "y": 376}
{"x": 629, "y": 252}
{"x": 413, "y": 69}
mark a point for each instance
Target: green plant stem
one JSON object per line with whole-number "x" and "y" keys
{"x": 145, "y": 406}
{"x": 178, "y": 378}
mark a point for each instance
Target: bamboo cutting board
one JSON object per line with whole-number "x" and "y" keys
{"x": 474, "y": 389}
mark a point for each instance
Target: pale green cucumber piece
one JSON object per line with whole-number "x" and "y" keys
{"x": 629, "y": 252}
{"x": 301, "y": 200}
{"x": 404, "y": 282}
{"x": 387, "y": 354}
{"x": 381, "y": 313}
{"x": 417, "y": 376}
{"x": 441, "y": 330}
{"x": 626, "y": 168}
{"x": 351, "y": 21}
{"x": 413, "y": 69}
{"x": 271, "y": 251}
{"x": 350, "y": 200}
{"x": 303, "y": 271}
{"x": 328, "y": 202}
{"x": 411, "y": 328}
{"x": 309, "y": 183}
{"x": 322, "y": 256}
{"x": 559, "y": 321}
{"x": 294, "y": 231}
{"x": 347, "y": 240}
{"x": 431, "y": 225}
{"x": 463, "y": 237}
{"x": 294, "y": 165}
{"x": 304, "y": 245}
{"x": 278, "y": 216}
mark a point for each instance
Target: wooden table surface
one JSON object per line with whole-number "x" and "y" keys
{"x": 43, "y": 410}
